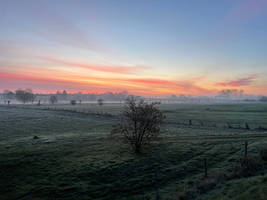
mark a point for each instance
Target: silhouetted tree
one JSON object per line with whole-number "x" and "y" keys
{"x": 8, "y": 95}
{"x": 100, "y": 102}
{"x": 25, "y": 95}
{"x": 140, "y": 122}
{"x": 64, "y": 95}
{"x": 263, "y": 99}
{"x": 53, "y": 99}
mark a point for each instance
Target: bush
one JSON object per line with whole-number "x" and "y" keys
{"x": 73, "y": 102}
{"x": 248, "y": 167}
{"x": 207, "y": 184}
{"x": 100, "y": 102}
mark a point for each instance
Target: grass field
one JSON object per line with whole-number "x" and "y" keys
{"x": 76, "y": 158}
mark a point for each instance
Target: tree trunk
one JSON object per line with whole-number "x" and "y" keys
{"x": 137, "y": 148}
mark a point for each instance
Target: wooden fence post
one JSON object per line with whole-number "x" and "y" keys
{"x": 190, "y": 122}
{"x": 247, "y": 126}
{"x": 246, "y": 150}
{"x": 156, "y": 185}
{"x": 205, "y": 166}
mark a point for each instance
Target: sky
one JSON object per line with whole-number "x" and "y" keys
{"x": 145, "y": 47}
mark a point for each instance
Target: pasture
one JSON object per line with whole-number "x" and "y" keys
{"x": 74, "y": 156}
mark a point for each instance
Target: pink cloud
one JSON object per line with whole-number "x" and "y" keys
{"x": 239, "y": 82}
{"x": 144, "y": 86}
{"x": 101, "y": 68}
{"x": 151, "y": 81}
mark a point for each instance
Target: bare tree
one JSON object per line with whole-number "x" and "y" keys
{"x": 8, "y": 95}
{"x": 140, "y": 123}
{"x": 64, "y": 94}
{"x": 25, "y": 95}
{"x": 53, "y": 99}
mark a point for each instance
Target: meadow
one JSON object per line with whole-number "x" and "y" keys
{"x": 66, "y": 152}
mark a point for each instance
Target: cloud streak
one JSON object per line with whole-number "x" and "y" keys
{"x": 100, "y": 68}
{"x": 142, "y": 86}
{"x": 50, "y": 24}
{"x": 239, "y": 82}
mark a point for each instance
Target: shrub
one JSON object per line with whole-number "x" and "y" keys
{"x": 207, "y": 184}
{"x": 248, "y": 167}
{"x": 100, "y": 102}
{"x": 73, "y": 102}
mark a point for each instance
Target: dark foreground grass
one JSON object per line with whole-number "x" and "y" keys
{"x": 75, "y": 158}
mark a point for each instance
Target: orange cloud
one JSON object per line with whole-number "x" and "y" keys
{"x": 151, "y": 81}
{"x": 239, "y": 82}
{"x": 76, "y": 82}
{"x": 100, "y": 68}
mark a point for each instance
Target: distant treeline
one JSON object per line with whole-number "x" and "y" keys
{"x": 263, "y": 99}
{"x": 26, "y": 96}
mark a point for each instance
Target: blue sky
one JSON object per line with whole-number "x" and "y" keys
{"x": 197, "y": 47}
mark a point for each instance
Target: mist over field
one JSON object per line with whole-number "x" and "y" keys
{"x": 133, "y": 100}
{"x": 62, "y": 146}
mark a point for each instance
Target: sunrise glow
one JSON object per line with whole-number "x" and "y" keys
{"x": 118, "y": 46}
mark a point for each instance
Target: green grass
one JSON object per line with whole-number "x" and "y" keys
{"x": 254, "y": 114}
{"x": 216, "y": 114}
{"x": 75, "y": 157}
